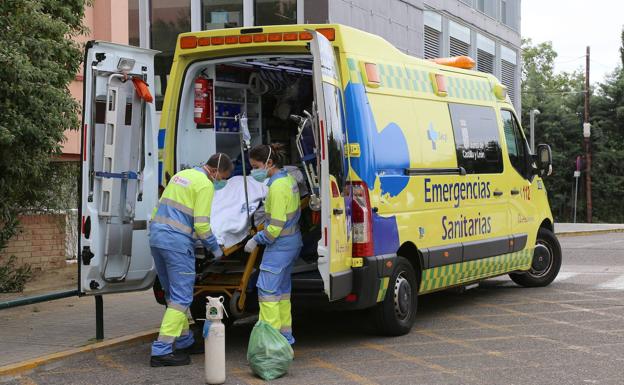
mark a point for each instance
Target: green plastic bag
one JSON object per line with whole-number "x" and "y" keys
{"x": 269, "y": 354}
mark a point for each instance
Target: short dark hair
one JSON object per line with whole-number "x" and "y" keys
{"x": 261, "y": 152}
{"x": 225, "y": 164}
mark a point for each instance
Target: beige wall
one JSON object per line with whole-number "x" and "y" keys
{"x": 107, "y": 20}
{"x": 40, "y": 242}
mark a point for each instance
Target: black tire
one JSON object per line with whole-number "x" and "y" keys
{"x": 198, "y": 311}
{"x": 395, "y": 315}
{"x": 159, "y": 293}
{"x": 545, "y": 266}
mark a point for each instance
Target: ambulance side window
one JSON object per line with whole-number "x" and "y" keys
{"x": 516, "y": 144}
{"x": 477, "y": 139}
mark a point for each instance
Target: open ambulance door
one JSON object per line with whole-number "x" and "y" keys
{"x": 335, "y": 246}
{"x": 119, "y": 169}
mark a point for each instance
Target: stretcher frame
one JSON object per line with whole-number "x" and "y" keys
{"x": 234, "y": 286}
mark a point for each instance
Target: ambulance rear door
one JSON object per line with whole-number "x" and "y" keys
{"x": 119, "y": 169}
{"x": 334, "y": 248}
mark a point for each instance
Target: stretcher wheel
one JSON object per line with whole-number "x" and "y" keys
{"x": 235, "y": 312}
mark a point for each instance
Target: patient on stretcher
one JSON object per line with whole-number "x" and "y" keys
{"x": 228, "y": 219}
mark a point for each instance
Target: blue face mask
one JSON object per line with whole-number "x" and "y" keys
{"x": 219, "y": 184}
{"x": 260, "y": 174}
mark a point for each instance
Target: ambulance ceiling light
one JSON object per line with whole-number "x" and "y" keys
{"x": 464, "y": 62}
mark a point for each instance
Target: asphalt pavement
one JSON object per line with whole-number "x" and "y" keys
{"x": 571, "y": 332}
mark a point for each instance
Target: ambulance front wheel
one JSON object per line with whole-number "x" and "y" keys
{"x": 396, "y": 314}
{"x": 546, "y": 262}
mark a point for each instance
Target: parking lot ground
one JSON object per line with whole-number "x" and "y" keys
{"x": 571, "y": 332}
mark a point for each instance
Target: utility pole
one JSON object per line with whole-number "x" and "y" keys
{"x": 586, "y": 136}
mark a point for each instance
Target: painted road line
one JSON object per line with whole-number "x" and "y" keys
{"x": 614, "y": 284}
{"x": 29, "y": 365}
{"x": 565, "y": 275}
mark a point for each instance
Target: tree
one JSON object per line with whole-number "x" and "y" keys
{"x": 38, "y": 60}
{"x": 559, "y": 99}
{"x": 607, "y": 118}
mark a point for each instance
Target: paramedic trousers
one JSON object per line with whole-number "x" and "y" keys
{"x": 274, "y": 283}
{"x": 176, "y": 273}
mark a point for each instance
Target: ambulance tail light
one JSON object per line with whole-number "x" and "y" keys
{"x": 361, "y": 216}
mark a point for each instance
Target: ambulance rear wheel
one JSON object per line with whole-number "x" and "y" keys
{"x": 546, "y": 262}
{"x": 395, "y": 315}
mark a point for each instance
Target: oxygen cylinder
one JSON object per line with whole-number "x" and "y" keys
{"x": 214, "y": 341}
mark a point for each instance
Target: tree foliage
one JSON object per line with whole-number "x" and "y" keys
{"x": 38, "y": 60}
{"x": 560, "y": 99}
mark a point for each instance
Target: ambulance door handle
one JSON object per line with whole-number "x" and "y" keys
{"x": 515, "y": 192}
{"x": 338, "y": 211}
{"x": 498, "y": 193}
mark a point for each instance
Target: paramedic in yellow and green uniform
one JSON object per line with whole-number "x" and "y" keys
{"x": 182, "y": 216}
{"x": 281, "y": 236}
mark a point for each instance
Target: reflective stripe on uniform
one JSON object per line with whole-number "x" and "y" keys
{"x": 289, "y": 216}
{"x": 205, "y": 235}
{"x": 269, "y": 298}
{"x": 276, "y": 222}
{"x": 167, "y": 339}
{"x": 201, "y": 219}
{"x": 176, "y": 306}
{"x": 177, "y": 205}
{"x": 290, "y": 230}
{"x": 173, "y": 223}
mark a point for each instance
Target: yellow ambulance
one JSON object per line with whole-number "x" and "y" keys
{"x": 416, "y": 173}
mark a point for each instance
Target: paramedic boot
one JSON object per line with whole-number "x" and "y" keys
{"x": 176, "y": 358}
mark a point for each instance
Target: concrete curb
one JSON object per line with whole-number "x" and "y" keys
{"x": 13, "y": 370}
{"x": 588, "y": 232}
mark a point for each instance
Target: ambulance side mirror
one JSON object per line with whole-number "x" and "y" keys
{"x": 543, "y": 159}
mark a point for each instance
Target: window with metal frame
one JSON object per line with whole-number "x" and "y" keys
{"x": 459, "y": 39}
{"x": 275, "y": 12}
{"x": 509, "y": 60}
{"x": 458, "y": 47}
{"x": 485, "y": 61}
{"x": 508, "y": 78}
{"x": 218, "y": 14}
{"x": 133, "y": 23}
{"x": 168, "y": 18}
{"x": 432, "y": 43}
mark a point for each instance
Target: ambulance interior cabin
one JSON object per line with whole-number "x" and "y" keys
{"x": 268, "y": 91}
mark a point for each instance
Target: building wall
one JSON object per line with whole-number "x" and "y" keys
{"x": 106, "y": 20}
{"x": 41, "y": 242}
{"x": 402, "y": 23}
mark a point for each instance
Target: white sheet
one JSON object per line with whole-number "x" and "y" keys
{"x": 228, "y": 218}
